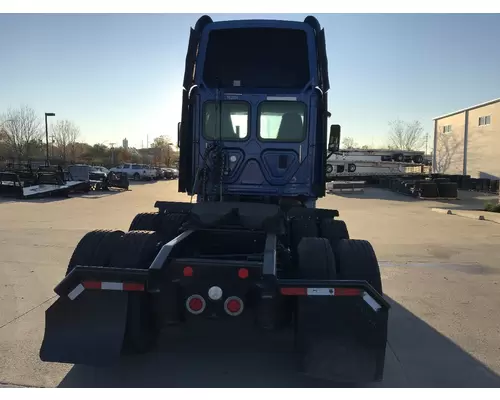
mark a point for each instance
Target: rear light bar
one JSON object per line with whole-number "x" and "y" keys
{"x": 97, "y": 285}
{"x": 337, "y": 292}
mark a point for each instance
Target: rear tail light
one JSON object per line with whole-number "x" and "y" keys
{"x": 188, "y": 271}
{"x": 195, "y": 304}
{"x": 233, "y": 306}
{"x": 243, "y": 273}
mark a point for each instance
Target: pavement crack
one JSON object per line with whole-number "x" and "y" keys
{"x": 17, "y": 385}
{"x": 27, "y": 312}
{"x": 399, "y": 362}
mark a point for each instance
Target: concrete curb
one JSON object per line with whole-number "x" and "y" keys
{"x": 477, "y": 215}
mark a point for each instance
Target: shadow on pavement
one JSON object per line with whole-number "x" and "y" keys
{"x": 93, "y": 194}
{"x": 417, "y": 356}
{"x": 466, "y": 200}
{"x": 51, "y": 199}
{"x": 371, "y": 193}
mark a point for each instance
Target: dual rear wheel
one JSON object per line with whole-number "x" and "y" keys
{"x": 135, "y": 249}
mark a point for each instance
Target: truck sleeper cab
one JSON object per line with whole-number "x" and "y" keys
{"x": 257, "y": 90}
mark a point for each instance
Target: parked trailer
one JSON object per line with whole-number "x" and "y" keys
{"x": 83, "y": 173}
{"x": 369, "y": 165}
{"x": 401, "y": 156}
{"x": 23, "y": 182}
{"x": 252, "y": 258}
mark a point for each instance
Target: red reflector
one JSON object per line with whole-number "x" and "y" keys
{"x": 347, "y": 292}
{"x": 133, "y": 287}
{"x": 233, "y": 306}
{"x": 91, "y": 285}
{"x": 195, "y": 304}
{"x": 243, "y": 273}
{"x": 293, "y": 291}
{"x": 188, "y": 271}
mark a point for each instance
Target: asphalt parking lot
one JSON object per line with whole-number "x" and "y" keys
{"x": 441, "y": 274}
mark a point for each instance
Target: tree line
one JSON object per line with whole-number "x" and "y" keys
{"x": 402, "y": 135}
{"x": 22, "y": 139}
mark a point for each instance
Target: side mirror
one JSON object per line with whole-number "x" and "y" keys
{"x": 334, "y": 139}
{"x": 178, "y": 134}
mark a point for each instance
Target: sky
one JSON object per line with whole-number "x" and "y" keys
{"x": 120, "y": 76}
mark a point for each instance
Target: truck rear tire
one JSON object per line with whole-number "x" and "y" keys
{"x": 356, "y": 260}
{"x": 136, "y": 250}
{"x": 95, "y": 249}
{"x": 167, "y": 225}
{"x": 170, "y": 224}
{"x": 145, "y": 222}
{"x": 301, "y": 228}
{"x": 316, "y": 259}
{"x": 333, "y": 230}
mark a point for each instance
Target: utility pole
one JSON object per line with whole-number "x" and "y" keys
{"x": 52, "y": 139}
{"x": 47, "y": 136}
{"x": 112, "y": 153}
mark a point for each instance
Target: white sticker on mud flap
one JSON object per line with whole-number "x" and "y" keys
{"x": 371, "y": 302}
{"x": 320, "y": 292}
{"x": 76, "y": 292}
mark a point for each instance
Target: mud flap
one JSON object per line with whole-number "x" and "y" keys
{"x": 88, "y": 330}
{"x": 342, "y": 340}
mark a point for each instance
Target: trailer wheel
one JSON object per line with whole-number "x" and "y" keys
{"x": 418, "y": 159}
{"x": 356, "y": 260}
{"x": 398, "y": 157}
{"x": 145, "y": 222}
{"x": 137, "y": 250}
{"x": 333, "y": 230}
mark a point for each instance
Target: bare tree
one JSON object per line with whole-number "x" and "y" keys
{"x": 21, "y": 128}
{"x": 406, "y": 135}
{"x": 349, "y": 143}
{"x": 167, "y": 153}
{"x": 447, "y": 146}
{"x": 66, "y": 134}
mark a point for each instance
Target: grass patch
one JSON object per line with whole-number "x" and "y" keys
{"x": 492, "y": 207}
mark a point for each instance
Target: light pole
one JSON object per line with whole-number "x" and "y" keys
{"x": 168, "y": 153}
{"x": 47, "y": 134}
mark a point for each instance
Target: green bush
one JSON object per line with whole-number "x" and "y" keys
{"x": 492, "y": 207}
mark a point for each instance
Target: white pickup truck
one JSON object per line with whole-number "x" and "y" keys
{"x": 136, "y": 172}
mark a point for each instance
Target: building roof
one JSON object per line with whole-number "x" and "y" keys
{"x": 467, "y": 109}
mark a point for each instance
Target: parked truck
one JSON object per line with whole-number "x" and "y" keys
{"x": 251, "y": 257}
{"x": 137, "y": 172}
